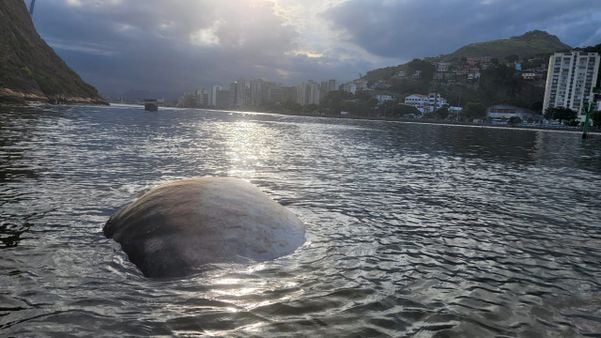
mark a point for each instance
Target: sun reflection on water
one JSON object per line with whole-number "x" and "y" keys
{"x": 247, "y": 147}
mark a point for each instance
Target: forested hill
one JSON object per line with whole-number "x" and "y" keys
{"x": 506, "y": 71}
{"x": 530, "y": 44}
{"x": 29, "y": 68}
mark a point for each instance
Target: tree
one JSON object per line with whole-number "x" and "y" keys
{"x": 515, "y": 120}
{"x": 335, "y": 102}
{"x": 561, "y": 114}
{"x": 474, "y": 110}
{"x": 512, "y": 58}
{"x": 426, "y": 68}
{"x": 439, "y": 114}
{"x": 596, "y": 117}
{"x": 394, "y": 110}
{"x": 537, "y": 106}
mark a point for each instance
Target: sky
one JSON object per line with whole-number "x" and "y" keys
{"x": 173, "y": 46}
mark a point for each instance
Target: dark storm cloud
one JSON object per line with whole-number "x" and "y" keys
{"x": 179, "y": 45}
{"x": 417, "y": 28}
{"x": 173, "y": 46}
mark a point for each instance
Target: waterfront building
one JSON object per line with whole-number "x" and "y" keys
{"x": 502, "y": 114}
{"x": 570, "y": 80}
{"x": 426, "y": 103}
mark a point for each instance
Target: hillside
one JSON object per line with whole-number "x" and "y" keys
{"x": 530, "y": 44}
{"x": 487, "y": 72}
{"x": 29, "y": 68}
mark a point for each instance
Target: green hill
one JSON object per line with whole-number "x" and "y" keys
{"x": 531, "y": 44}
{"x": 29, "y": 68}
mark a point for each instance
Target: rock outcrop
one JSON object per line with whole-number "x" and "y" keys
{"x": 29, "y": 69}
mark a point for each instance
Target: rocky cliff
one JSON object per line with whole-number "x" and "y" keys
{"x": 30, "y": 69}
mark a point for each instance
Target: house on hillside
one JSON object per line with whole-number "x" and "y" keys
{"x": 349, "y": 87}
{"x": 384, "y": 98}
{"x": 354, "y": 86}
{"x": 400, "y": 75}
{"x": 442, "y": 67}
{"x": 529, "y": 76}
{"x": 473, "y": 74}
{"x": 442, "y": 71}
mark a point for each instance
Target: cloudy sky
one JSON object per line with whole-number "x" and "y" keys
{"x": 171, "y": 46}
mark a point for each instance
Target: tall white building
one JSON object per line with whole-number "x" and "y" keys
{"x": 213, "y": 95}
{"x": 313, "y": 92}
{"x": 301, "y": 94}
{"x": 240, "y": 92}
{"x": 308, "y": 93}
{"x": 570, "y": 80}
{"x": 256, "y": 92}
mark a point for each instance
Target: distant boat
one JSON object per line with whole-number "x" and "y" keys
{"x": 151, "y": 105}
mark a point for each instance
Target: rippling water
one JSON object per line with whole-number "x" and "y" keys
{"x": 413, "y": 230}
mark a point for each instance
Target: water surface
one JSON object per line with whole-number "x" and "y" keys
{"x": 412, "y": 230}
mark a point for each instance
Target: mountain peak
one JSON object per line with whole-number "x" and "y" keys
{"x": 537, "y": 35}
{"x": 527, "y": 45}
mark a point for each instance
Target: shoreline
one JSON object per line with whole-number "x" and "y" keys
{"x": 9, "y": 96}
{"x": 573, "y": 130}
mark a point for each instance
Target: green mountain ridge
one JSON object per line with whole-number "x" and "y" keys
{"x": 530, "y": 44}
{"x": 30, "y": 69}
{"x": 487, "y": 73}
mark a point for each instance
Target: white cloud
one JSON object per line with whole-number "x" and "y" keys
{"x": 206, "y": 36}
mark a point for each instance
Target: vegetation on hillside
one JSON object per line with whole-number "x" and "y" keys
{"x": 484, "y": 73}
{"x": 528, "y": 45}
{"x": 29, "y": 67}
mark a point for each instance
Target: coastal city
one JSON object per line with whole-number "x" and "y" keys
{"x": 288, "y": 168}
{"x": 552, "y": 90}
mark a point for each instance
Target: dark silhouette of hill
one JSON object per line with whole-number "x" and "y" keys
{"x": 30, "y": 69}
